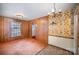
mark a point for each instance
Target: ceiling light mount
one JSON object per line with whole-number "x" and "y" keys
{"x": 19, "y": 15}
{"x": 54, "y": 11}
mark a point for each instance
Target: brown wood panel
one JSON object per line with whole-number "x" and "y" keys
{"x": 5, "y": 29}
{"x": 41, "y": 29}
{"x": 30, "y": 29}
{"x": 24, "y": 29}
{"x": 1, "y": 28}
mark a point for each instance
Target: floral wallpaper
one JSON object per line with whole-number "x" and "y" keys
{"x": 61, "y": 24}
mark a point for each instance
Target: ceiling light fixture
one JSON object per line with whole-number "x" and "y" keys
{"x": 53, "y": 11}
{"x": 19, "y": 15}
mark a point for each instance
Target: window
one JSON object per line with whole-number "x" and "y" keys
{"x": 15, "y": 29}
{"x": 33, "y": 29}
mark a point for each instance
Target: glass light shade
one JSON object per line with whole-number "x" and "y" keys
{"x": 53, "y": 10}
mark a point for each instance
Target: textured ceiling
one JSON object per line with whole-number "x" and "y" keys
{"x": 31, "y": 10}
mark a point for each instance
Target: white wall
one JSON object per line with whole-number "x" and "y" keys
{"x": 75, "y": 33}
{"x": 65, "y": 43}
{"x": 78, "y": 51}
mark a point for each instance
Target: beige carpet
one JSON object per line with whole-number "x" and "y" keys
{"x": 52, "y": 50}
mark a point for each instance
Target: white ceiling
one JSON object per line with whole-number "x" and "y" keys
{"x": 31, "y": 10}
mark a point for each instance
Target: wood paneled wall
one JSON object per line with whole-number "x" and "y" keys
{"x": 1, "y": 21}
{"x": 26, "y": 29}
{"x": 5, "y": 29}
{"x": 41, "y": 29}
